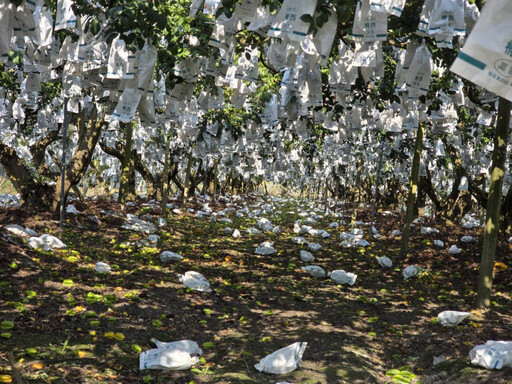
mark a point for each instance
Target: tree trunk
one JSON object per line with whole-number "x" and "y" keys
{"x": 187, "y": 176}
{"x": 34, "y": 194}
{"x": 127, "y": 187}
{"x": 152, "y": 182}
{"x": 165, "y": 183}
{"x": 491, "y": 229}
{"x": 88, "y": 136}
{"x": 506, "y": 210}
{"x": 38, "y": 151}
{"x": 59, "y": 166}
{"x": 413, "y": 189}
{"x": 215, "y": 180}
{"x": 376, "y": 188}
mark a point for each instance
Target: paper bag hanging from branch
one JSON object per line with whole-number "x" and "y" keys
{"x": 324, "y": 37}
{"x": 486, "y": 58}
{"x": 6, "y": 22}
{"x": 288, "y": 21}
{"x": 369, "y": 25}
{"x": 418, "y": 76}
{"x": 391, "y": 7}
{"x": 121, "y": 62}
{"x": 65, "y": 17}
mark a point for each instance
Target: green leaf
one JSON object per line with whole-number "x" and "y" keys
{"x": 307, "y": 18}
{"x": 95, "y": 26}
{"x": 157, "y": 323}
{"x": 392, "y": 372}
{"x": 208, "y": 345}
{"x": 7, "y": 324}
{"x": 92, "y": 298}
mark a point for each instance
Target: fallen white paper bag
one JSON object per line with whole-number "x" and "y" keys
{"x": 283, "y": 360}
{"x": 362, "y": 243}
{"x": 384, "y": 262}
{"x": 492, "y": 355}
{"x": 451, "y": 318}
{"x": 314, "y": 270}
{"x": 72, "y": 210}
{"x": 18, "y": 230}
{"x": 188, "y": 346}
{"x": 410, "y": 271}
{"x": 102, "y": 267}
{"x": 265, "y": 251}
{"x": 314, "y": 247}
{"x": 299, "y": 240}
{"x": 196, "y": 281}
{"x": 45, "y": 242}
{"x": 306, "y": 256}
{"x": 454, "y": 249}
{"x": 438, "y": 243}
{"x": 253, "y": 231}
{"x": 339, "y": 276}
{"x": 153, "y": 240}
{"x": 166, "y": 256}
{"x": 428, "y": 230}
{"x": 177, "y": 355}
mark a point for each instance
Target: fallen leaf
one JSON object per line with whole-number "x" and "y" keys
{"x": 499, "y": 266}
{"x": 109, "y": 335}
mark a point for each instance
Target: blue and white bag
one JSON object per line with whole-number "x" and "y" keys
{"x": 486, "y": 58}
{"x": 288, "y": 23}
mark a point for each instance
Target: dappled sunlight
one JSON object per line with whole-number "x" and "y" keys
{"x": 258, "y": 305}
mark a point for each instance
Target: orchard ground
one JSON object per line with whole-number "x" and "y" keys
{"x": 61, "y": 309}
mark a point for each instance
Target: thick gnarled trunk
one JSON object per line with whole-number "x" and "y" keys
{"x": 88, "y": 136}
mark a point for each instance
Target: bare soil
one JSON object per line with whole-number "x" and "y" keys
{"x": 355, "y": 334}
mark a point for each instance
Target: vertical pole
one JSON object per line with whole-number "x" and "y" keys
{"x": 187, "y": 175}
{"x": 63, "y": 167}
{"x": 125, "y": 166}
{"x": 491, "y": 229}
{"x": 326, "y": 196}
{"x": 376, "y": 186}
{"x": 205, "y": 180}
{"x": 357, "y": 200}
{"x": 413, "y": 191}
{"x": 215, "y": 181}
{"x": 165, "y": 175}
